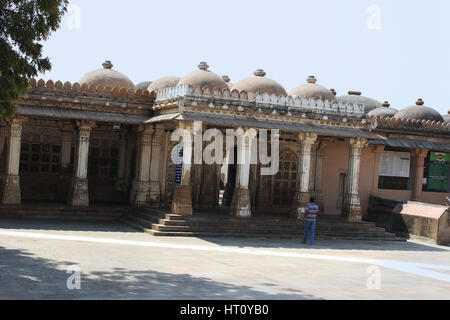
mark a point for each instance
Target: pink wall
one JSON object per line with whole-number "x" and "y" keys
{"x": 336, "y": 162}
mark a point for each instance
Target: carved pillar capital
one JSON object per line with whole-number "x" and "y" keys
{"x": 307, "y": 138}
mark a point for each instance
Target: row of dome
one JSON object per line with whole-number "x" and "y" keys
{"x": 259, "y": 83}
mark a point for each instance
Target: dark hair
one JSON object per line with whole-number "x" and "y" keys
{"x": 312, "y": 199}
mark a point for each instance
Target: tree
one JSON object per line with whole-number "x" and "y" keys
{"x": 24, "y": 25}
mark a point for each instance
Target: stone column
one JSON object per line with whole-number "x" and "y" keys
{"x": 11, "y": 179}
{"x": 3, "y": 136}
{"x": 66, "y": 147}
{"x": 351, "y": 208}
{"x": 66, "y": 172}
{"x": 241, "y": 204}
{"x": 164, "y": 164}
{"x": 318, "y": 192}
{"x": 155, "y": 169}
{"x": 182, "y": 197}
{"x": 306, "y": 141}
{"x": 79, "y": 187}
{"x": 141, "y": 184}
{"x": 419, "y": 156}
{"x": 122, "y": 181}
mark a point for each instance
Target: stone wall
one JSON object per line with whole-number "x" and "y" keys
{"x": 413, "y": 218}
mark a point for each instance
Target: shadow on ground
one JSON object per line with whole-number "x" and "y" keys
{"x": 65, "y": 225}
{"x": 24, "y": 276}
{"x": 264, "y": 243}
{"x": 260, "y": 243}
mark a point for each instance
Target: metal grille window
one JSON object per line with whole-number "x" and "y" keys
{"x": 40, "y": 158}
{"x": 103, "y": 157}
{"x": 285, "y": 181}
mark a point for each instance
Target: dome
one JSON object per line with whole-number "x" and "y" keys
{"x": 419, "y": 112}
{"x": 384, "y": 111}
{"x": 143, "y": 85}
{"x": 259, "y": 83}
{"x": 446, "y": 117}
{"x": 164, "y": 82}
{"x": 356, "y": 97}
{"x": 203, "y": 78}
{"x": 107, "y": 77}
{"x": 312, "y": 90}
{"x": 227, "y": 81}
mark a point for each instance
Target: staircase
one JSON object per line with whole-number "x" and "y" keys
{"x": 160, "y": 222}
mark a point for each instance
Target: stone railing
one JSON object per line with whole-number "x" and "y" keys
{"x": 232, "y": 97}
{"x": 92, "y": 89}
{"x": 391, "y": 122}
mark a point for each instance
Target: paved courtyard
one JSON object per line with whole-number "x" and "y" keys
{"x": 39, "y": 260}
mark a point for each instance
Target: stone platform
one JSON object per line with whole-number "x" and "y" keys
{"x": 159, "y": 222}
{"x": 43, "y": 210}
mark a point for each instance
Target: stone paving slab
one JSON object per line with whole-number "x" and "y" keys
{"x": 180, "y": 268}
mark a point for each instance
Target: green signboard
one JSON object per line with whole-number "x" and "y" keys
{"x": 438, "y": 171}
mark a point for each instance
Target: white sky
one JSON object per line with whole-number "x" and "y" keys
{"x": 407, "y": 58}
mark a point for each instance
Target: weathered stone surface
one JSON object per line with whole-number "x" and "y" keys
{"x": 79, "y": 194}
{"x": 241, "y": 205}
{"x": 182, "y": 200}
{"x": 11, "y": 190}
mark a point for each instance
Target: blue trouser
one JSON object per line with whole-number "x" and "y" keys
{"x": 312, "y": 225}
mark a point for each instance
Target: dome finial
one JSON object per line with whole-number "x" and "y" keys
{"x": 420, "y": 102}
{"x": 311, "y": 79}
{"x": 107, "y": 64}
{"x": 259, "y": 73}
{"x": 333, "y": 92}
{"x": 226, "y": 78}
{"x": 386, "y": 104}
{"x": 203, "y": 66}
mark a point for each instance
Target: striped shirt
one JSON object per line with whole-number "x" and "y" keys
{"x": 312, "y": 210}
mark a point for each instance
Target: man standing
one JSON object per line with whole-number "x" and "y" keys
{"x": 311, "y": 212}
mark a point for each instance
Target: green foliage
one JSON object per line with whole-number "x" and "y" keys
{"x": 24, "y": 25}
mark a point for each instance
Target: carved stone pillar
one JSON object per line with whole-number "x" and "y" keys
{"x": 301, "y": 198}
{"x": 209, "y": 186}
{"x": 318, "y": 192}
{"x": 3, "y": 136}
{"x": 141, "y": 184}
{"x": 11, "y": 180}
{"x": 66, "y": 172}
{"x": 351, "y": 208}
{"x": 419, "y": 156}
{"x": 241, "y": 204}
{"x": 66, "y": 148}
{"x": 155, "y": 169}
{"x": 122, "y": 180}
{"x": 182, "y": 197}
{"x": 79, "y": 187}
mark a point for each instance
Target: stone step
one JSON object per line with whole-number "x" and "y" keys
{"x": 292, "y": 224}
{"x": 278, "y": 236}
{"x": 258, "y": 227}
{"x": 158, "y": 227}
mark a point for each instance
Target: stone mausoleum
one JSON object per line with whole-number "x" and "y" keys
{"x": 105, "y": 140}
